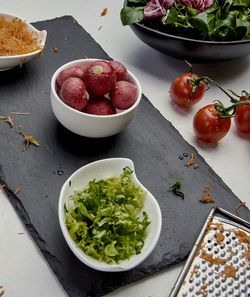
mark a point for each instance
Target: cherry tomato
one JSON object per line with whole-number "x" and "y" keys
{"x": 181, "y": 90}
{"x": 242, "y": 117}
{"x": 209, "y": 126}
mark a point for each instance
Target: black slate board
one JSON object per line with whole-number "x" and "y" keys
{"x": 150, "y": 141}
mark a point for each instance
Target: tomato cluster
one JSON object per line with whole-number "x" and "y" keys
{"x": 212, "y": 122}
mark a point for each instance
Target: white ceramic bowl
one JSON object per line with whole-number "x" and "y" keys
{"x": 89, "y": 125}
{"x": 100, "y": 170}
{"x": 8, "y": 62}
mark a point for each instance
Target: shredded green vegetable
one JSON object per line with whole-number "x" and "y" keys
{"x": 106, "y": 220}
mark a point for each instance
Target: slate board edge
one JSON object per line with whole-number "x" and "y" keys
{"x": 21, "y": 211}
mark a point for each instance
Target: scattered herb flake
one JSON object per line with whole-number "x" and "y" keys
{"x": 21, "y": 62}
{"x": 104, "y": 12}
{"x": 20, "y": 113}
{"x": 207, "y": 197}
{"x": 176, "y": 189}
{"x": 2, "y": 186}
{"x": 29, "y": 140}
{"x": 7, "y": 120}
{"x": 190, "y": 161}
{"x": 237, "y": 208}
{"x": 17, "y": 191}
{"x": 196, "y": 166}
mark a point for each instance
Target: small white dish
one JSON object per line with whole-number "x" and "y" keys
{"x": 8, "y": 62}
{"x": 100, "y": 170}
{"x": 90, "y": 125}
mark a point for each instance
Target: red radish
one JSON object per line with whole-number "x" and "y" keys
{"x": 100, "y": 77}
{"x": 73, "y": 71}
{"x": 123, "y": 95}
{"x": 73, "y": 93}
{"x": 120, "y": 70}
{"x": 99, "y": 106}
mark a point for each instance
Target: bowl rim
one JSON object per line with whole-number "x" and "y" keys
{"x": 79, "y": 112}
{"x": 79, "y": 253}
{"x": 162, "y": 34}
{"x": 42, "y": 35}
{"x": 233, "y": 42}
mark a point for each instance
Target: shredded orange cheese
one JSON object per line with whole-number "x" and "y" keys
{"x": 209, "y": 258}
{"x": 219, "y": 237}
{"x": 229, "y": 271}
{"x": 15, "y": 39}
{"x": 238, "y": 207}
{"x": 17, "y": 191}
{"x": 190, "y": 161}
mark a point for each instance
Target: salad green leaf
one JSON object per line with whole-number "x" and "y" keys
{"x": 223, "y": 20}
{"x": 106, "y": 220}
{"x": 130, "y": 15}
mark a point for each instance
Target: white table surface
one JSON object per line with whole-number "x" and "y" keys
{"x": 24, "y": 272}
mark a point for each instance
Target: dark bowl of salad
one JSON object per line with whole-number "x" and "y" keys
{"x": 195, "y": 30}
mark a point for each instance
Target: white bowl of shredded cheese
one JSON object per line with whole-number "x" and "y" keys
{"x": 100, "y": 236}
{"x": 19, "y": 42}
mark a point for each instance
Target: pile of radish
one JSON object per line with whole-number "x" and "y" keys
{"x": 101, "y": 88}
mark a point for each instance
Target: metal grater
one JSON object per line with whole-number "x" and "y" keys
{"x": 218, "y": 265}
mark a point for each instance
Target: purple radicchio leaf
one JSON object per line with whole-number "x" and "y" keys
{"x": 157, "y": 8}
{"x": 197, "y": 5}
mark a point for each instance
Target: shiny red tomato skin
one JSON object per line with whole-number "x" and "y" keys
{"x": 180, "y": 91}
{"x": 208, "y": 126}
{"x": 242, "y": 117}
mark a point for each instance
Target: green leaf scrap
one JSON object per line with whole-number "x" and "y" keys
{"x": 176, "y": 189}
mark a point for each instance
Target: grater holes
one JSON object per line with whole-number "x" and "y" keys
{"x": 237, "y": 286}
{"x": 210, "y": 289}
{"x": 235, "y": 260}
{"x": 218, "y": 293}
{"x": 237, "y": 277}
{"x": 216, "y": 251}
{"x": 229, "y": 256}
{"x": 222, "y": 246}
{"x": 231, "y": 291}
{"x": 243, "y": 272}
{"x": 243, "y": 280}
{"x": 198, "y": 283}
{"x": 244, "y": 290}
{"x": 230, "y": 281}
{"x": 209, "y": 240}
{"x": 210, "y": 281}
{"x": 215, "y": 278}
